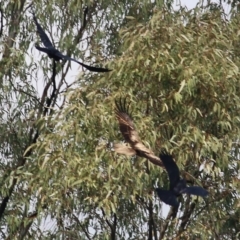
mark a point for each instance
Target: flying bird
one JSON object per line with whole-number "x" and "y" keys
{"x": 130, "y": 135}
{"x": 52, "y": 52}
{"x": 177, "y": 185}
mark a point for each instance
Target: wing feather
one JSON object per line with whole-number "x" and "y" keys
{"x": 44, "y": 38}
{"x": 167, "y": 197}
{"x": 123, "y": 149}
{"x": 172, "y": 169}
{"x": 90, "y": 68}
{"x": 126, "y": 124}
{"x": 195, "y": 190}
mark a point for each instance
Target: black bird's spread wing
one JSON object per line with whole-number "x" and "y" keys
{"x": 130, "y": 134}
{"x": 93, "y": 69}
{"x": 90, "y": 68}
{"x": 195, "y": 190}
{"x": 167, "y": 197}
{"x": 44, "y": 38}
{"x": 172, "y": 169}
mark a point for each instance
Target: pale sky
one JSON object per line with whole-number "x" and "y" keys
{"x": 192, "y": 3}
{"x": 188, "y": 3}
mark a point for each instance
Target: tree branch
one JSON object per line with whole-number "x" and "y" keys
{"x": 1, "y": 21}
{"x": 79, "y": 223}
{"x": 111, "y": 225}
{"x": 171, "y": 215}
{"x": 22, "y": 160}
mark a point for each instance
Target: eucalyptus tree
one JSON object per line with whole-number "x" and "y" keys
{"x": 33, "y": 94}
{"x": 180, "y": 71}
{"x": 60, "y": 177}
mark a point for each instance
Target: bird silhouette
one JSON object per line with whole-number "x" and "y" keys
{"x": 130, "y": 135}
{"x": 52, "y": 52}
{"x": 177, "y": 185}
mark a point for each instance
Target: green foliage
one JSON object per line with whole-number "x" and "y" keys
{"x": 180, "y": 72}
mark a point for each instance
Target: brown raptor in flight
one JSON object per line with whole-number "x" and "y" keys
{"x": 131, "y": 136}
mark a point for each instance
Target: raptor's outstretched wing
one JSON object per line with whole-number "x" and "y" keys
{"x": 126, "y": 124}
{"x": 130, "y": 134}
{"x": 124, "y": 149}
{"x": 172, "y": 169}
{"x": 44, "y": 38}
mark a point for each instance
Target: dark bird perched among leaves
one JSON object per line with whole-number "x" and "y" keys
{"x": 130, "y": 135}
{"x": 177, "y": 185}
{"x": 52, "y": 52}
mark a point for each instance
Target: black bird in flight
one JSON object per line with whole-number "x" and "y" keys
{"x": 52, "y": 52}
{"x": 130, "y": 135}
{"x": 177, "y": 185}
